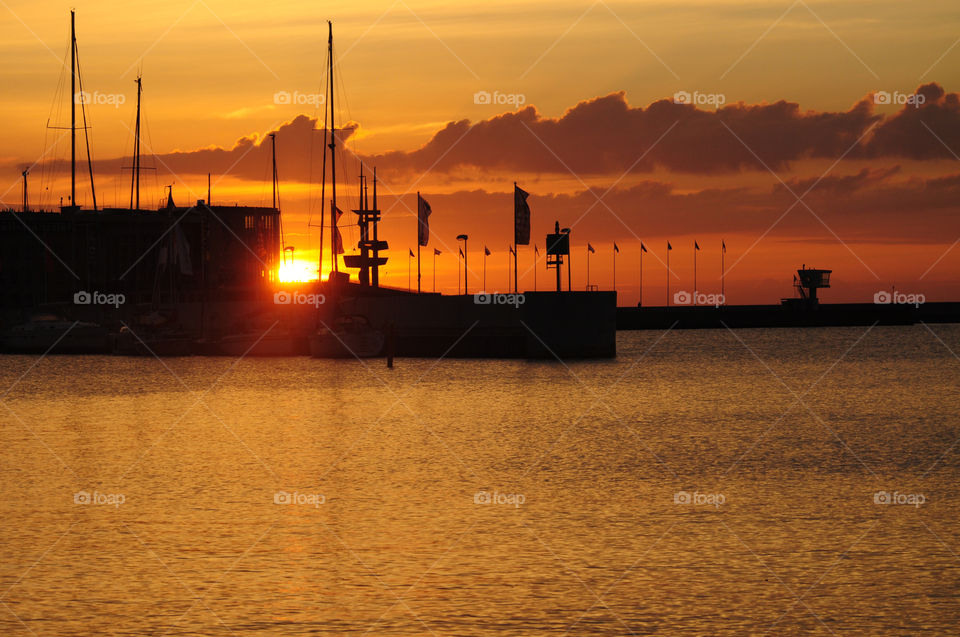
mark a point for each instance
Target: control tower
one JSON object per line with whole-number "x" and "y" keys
{"x": 806, "y": 282}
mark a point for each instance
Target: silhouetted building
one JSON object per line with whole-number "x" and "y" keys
{"x": 171, "y": 254}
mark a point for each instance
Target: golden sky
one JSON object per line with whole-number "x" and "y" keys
{"x": 407, "y": 69}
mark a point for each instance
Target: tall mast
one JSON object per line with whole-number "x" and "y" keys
{"x": 135, "y": 178}
{"x": 333, "y": 153}
{"x": 273, "y": 146}
{"x": 73, "y": 109}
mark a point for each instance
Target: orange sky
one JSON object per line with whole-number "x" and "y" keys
{"x": 882, "y": 215}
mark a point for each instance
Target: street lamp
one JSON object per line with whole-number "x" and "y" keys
{"x": 463, "y": 237}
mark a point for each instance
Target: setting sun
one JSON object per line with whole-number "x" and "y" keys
{"x": 297, "y": 272}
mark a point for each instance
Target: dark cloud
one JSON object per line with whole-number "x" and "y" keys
{"x": 930, "y": 130}
{"x": 607, "y": 136}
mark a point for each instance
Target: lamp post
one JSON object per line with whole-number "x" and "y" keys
{"x": 463, "y": 237}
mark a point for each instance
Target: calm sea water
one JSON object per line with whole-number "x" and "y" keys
{"x": 704, "y": 482}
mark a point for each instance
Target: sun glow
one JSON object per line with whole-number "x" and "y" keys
{"x": 297, "y": 272}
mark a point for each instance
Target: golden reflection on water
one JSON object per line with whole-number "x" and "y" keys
{"x": 704, "y": 483}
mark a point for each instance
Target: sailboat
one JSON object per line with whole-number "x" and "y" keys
{"x": 347, "y": 335}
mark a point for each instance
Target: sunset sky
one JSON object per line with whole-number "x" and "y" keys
{"x": 800, "y": 164}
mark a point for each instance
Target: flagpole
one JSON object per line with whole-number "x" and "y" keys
{"x": 694, "y": 272}
{"x": 668, "y": 274}
{"x": 484, "y": 268}
{"x": 515, "y": 286}
{"x": 723, "y": 255}
{"x": 418, "y": 242}
{"x": 641, "y": 276}
{"x": 408, "y": 271}
{"x": 434, "y": 271}
{"x": 535, "y": 267}
{"x": 588, "y": 266}
{"x": 458, "y": 275}
{"x": 614, "y": 268}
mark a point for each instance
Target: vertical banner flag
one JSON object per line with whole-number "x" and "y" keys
{"x": 423, "y": 218}
{"x": 521, "y": 217}
{"x": 337, "y": 237}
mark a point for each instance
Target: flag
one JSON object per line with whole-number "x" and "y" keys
{"x": 643, "y": 247}
{"x": 511, "y": 250}
{"x": 337, "y": 237}
{"x": 460, "y": 250}
{"x": 423, "y": 218}
{"x": 436, "y": 252}
{"x": 669, "y": 247}
{"x": 696, "y": 246}
{"x": 411, "y": 253}
{"x": 536, "y": 250}
{"x": 616, "y": 248}
{"x": 486, "y": 251}
{"x": 521, "y": 217}
{"x": 590, "y": 248}
{"x": 723, "y": 246}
